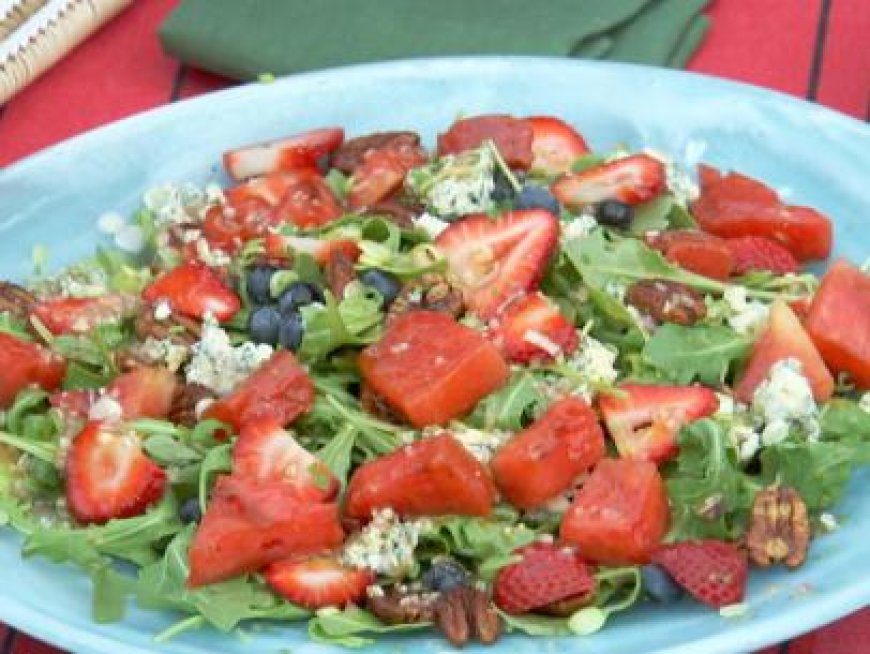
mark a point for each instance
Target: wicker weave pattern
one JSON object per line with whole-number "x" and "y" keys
{"x": 35, "y": 34}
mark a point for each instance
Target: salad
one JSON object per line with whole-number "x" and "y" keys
{"x": 511, "y": 384}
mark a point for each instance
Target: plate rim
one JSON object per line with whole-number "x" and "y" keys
{"x": 804, "y": 617}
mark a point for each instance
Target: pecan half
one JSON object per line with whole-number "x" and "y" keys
{"x": 395, "y": 607}
{"x": 340, "y": 272}
{"x": 464, "y": 612}
{"x": 779, "y": 531}
{"x": 185, "y": 401}
{"x": 394, "y": 210}
{"x": 431, "y": 292}
{"x": 176, "y": 328}
{"x": 667, "y": 301}
{"x": 351, "y": 153}
{"x": 15, "y": 300}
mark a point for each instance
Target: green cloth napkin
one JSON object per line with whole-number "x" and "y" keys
{"x": 243, "y": 39}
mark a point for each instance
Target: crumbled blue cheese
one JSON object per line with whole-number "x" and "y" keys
{"x": 84, "y": 281}
{"x": 456, "y": 185}
{"x": 185, "y": 203}
{"x": 579, "y": 226}
{"x": 110, "y": 222}
{"x": 165, "y": 351}
{"x": 162, "y": 310}
{"x": 679, "y": 182}
{"x": 784, "y": 403}
{"x": 210, "y": 257}
{"x": 218, "y": 365}
{"x": 829, "y": 522}
{"x": 744, "y": 316}
{"x": 864, "y": 402}
{"x": 481, "y": 443}
{"x": 106, "y": 408}
{"x": 430, "y": 224}
{"x": 596, "y": 364}
{"x": 386, "y": 545}
{"x": 744, "y": 438}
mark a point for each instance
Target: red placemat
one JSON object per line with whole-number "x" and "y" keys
{"x": 816, "y": 49}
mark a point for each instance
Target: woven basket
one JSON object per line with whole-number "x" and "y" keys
{"x": 34, "y": 34}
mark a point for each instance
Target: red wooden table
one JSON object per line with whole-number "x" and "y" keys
{"x": 815, "y": 49}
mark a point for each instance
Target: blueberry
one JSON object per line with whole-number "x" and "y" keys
{"x": 536, "y": 197}
{"x": 263, "y": 325}
{"x": 298, "y": 294}
{"x": 259, "y": 279}
{"x": 291, "y": 331}
{"x": 387, "y": 284}
{"x": 445, "y": 574}
{"x": 502, "y": 189}
{"x": 190, "y": 511}
{"x": 659, "y": 585}
{"x": 614, "y": 213}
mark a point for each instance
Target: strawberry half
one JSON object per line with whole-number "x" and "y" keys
{"x": 108, "y": 476}
{"x": 547, "y": 573}
{"x": 759, "y": 253}
{"x": 280, "y": 246}
{"x": 533, "y": 329}
{"x": 713, "y": 571}
{"x": 496, "y": 260}
{"x": 382, "y": 172}
{"x": 318, "y": 582}
{"x": 79, "y": 315}
{"x": 266, "y": 451}
{"x": 644, "y": 421}
{"x": 194, "y": 290}
{"x": 555, "y": 144}
{"x": 632, "y": 180}
{"x": 291, "y": 153}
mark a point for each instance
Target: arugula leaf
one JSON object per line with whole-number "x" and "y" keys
{"x": 344, "y": 626}
{"x": 336, "y": 454}
{"x": 168, "y": 451}
{"x": 844, "y": 421}
{"x": 680, "y": 218}
{"x": 652, "y": 216}
{"x": 819, "y": 472}
{"x": 353, "y": 321}
{"x": 513, "y": 406}
{"x": 217, "y": 460}
{"x": 536, "y": 625}
{"x": 710, "y": 495}
{"x": 163, "y": 585}
{"x": 703, "y": 352}
{"x": 9, "y": 324}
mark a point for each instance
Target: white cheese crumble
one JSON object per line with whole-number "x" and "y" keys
{"x": 579, "y": 227}
{"x": 130, "y": 238}
{"x": 482, "y": 444}
{"x": 596, "y": 364}
{"x": 174, "y": 203}
{"x": 745, "y": 316}
{"x": 456, "y": 185}
{"x": 864, "y": 402}
{"x": 829, "y": 522}
{"x": 430, "y": 224}
{"x": 110, "y": 222}
{"x": 165, "y": 351}
{"x": 106, "y": 408}
{"x": 386, "y": 545}
{"x": 785, "y": 401}
{"x": 218, "y": 365}
{"x": 679, "y": 182}
{"x": 213, "y": 258}
{"x": 162, "y": 310}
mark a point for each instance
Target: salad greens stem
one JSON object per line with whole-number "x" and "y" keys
{"x": 43, "y": 451}
{"x": 193, "y": 622}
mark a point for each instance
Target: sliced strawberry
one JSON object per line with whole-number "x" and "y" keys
{"x": 644, "y": 420}
{"x": 495, "y": 261}
{"x": 75, "y": 403}
{"x": 696, "y": 251}
{"x": 266, "y": 451}
{"x": 632, "y": 180}
{"x": 251, "y": 523}
{"x": 713, "y": 571}
{"x": 280, "y": 246}
{"x": 512, "y": 136}
{"x": 759, "y": 253}
{"x": 382, "y": 172}
{"x": 194, "y": 290}
{"x": 318, "y": 582}
{"x": 23, "y": 363}
{"x": 533, "y": 329}
{"x": 555, "y": 144}
{"x": 108, "y": 476}
{"x": 546, "y": 573}
{"x": 308, "y": 201}
{"x": 268, "y": 190}
{"x": 79, "y": 315}
{"x": 144, "y": 392}
{"x": 228, "y": 227}
{"x": 291, "y": 153}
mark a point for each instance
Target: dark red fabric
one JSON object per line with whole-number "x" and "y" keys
{"x": 771, "y": 43}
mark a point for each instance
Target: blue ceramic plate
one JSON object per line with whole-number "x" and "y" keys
{"x": 815, "y": 156}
